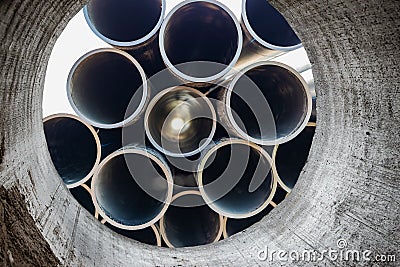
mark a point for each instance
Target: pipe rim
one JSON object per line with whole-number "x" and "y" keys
{"x": 145, "y": 87}
{"x": 261, "y": 41}
{"x": 157, "y": 234}
{"x": 154, "y": 101}
{"x": 275, "y": 151}
{"x": 153, "y": 227}
{"x": 87, "y": 188}
{"x": 293, "y": 134}
{"x": 178, "y": 195}
{"x": 98, "y": 147}
{"x": 159, "y": 162}
{"x": 210, "y": 203}
{"x": 130, "y": 44}
{"x": 184, "y": 76}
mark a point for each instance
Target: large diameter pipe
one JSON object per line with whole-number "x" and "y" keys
{"x": 180, "y": 121}
{"x": 149, "y": 235}
{"x": 74, "y": 147}
{"x": 236, "y": 178}
{"x": 125, "y": 24}
{"x": 187, "y": 223}
{"x": 108, "y": 88}
{"x": 234, "y": 226}
{"x": 291, "y": 157}
{"x": 132, "y": 188}
{"x": 266, "y": 32}
{"x": 267, "y": 103}
{"x": 200, "y": 41}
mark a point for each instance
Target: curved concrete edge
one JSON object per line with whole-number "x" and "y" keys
{"x": 348, "y": 189}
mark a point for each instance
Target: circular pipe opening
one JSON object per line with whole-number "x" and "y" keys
{"x": 103, "y": 83}
{"x": 290, "y": 157}
{"x": 184, "y": 225}
{"x": 200, "y": 41}
{"x": 118, "y": 192}
{"x": 125, "y": 23}
{"x": 180, "y": 121}
{"x": 268, "y": 26}
{"x": 271, "y": 103}
{"x": 237, "y": 178}
{"x": 74, "y": 148}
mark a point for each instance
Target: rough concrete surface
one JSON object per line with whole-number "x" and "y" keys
{"x": 349, "y": 187}
{"x": 21, "y": 244}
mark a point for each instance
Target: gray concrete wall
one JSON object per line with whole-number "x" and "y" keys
{"x": 349, "y": 188}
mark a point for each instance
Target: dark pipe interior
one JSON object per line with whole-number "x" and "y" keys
{"x": 279, "y": 89}
{"x": 145, "y": 235}
{"x": 292, "y": 156}
{"x": 191, "y": 226}
{"x": 84, "y": 198}
{"x": 269, "y": 24}
{"x": 279, "y": 196}
{"x": 72, "y": 148}
{"x": 184, "y": 179}
{"x": 124, "y": 20}
{"x": 103, "y": 85}
{"x": 313, "y": 117}
{"x": 201, "y": 31}
{"x": 234, "y": 226}
{"x": 180, "y": 121}
{"x": 110, "y": 140}
{"x": 119, "y": 189}
{"x": 237, "y": 165}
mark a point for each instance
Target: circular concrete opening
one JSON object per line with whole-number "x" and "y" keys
{"x": 342, "y": 193}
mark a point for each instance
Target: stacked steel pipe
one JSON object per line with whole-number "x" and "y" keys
{"x": 181, "y": 114}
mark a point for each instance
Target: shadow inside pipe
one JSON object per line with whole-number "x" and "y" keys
{"x": 103, "y": 84}
{"x": 119, "y": 193}
{"x": 270, "y": 101}
{"x": 204, "y": 33}
{"x": 72, "y": 147}
{"x": 146, "y": 235}
{"x": 292, "y": 156}
{"x": 185, "y": 226}
{"x": 227, "y": 180}
{"x": 269, "y": 24}
{"x": 124, "y": 21}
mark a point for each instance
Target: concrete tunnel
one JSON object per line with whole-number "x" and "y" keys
{"x": 348, "y": 189}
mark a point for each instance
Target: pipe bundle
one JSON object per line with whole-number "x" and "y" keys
{"x": 186, "y": 131}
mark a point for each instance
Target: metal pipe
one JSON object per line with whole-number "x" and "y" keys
{"x": 200, "y": 40}
{"x": 132, "y": 188}
{"x": 83, "y": 195}
{"x": 267, "y": 103}
{"x": 233, "y": 226}
{"x": 239, "y": 180}
{"x": 291, "y": 157}
{"x": 107, "y": 88}
{"x": 74, "y": 147}
{"x": 125, "y": 24}
{"x": 187, "y": 223}
{"x": 266, "y": 32}
{"x": 149, "y": 235}
{"x": 180, "y": 121}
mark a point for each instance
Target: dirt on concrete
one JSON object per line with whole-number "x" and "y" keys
{"x": 21, "y": 243}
